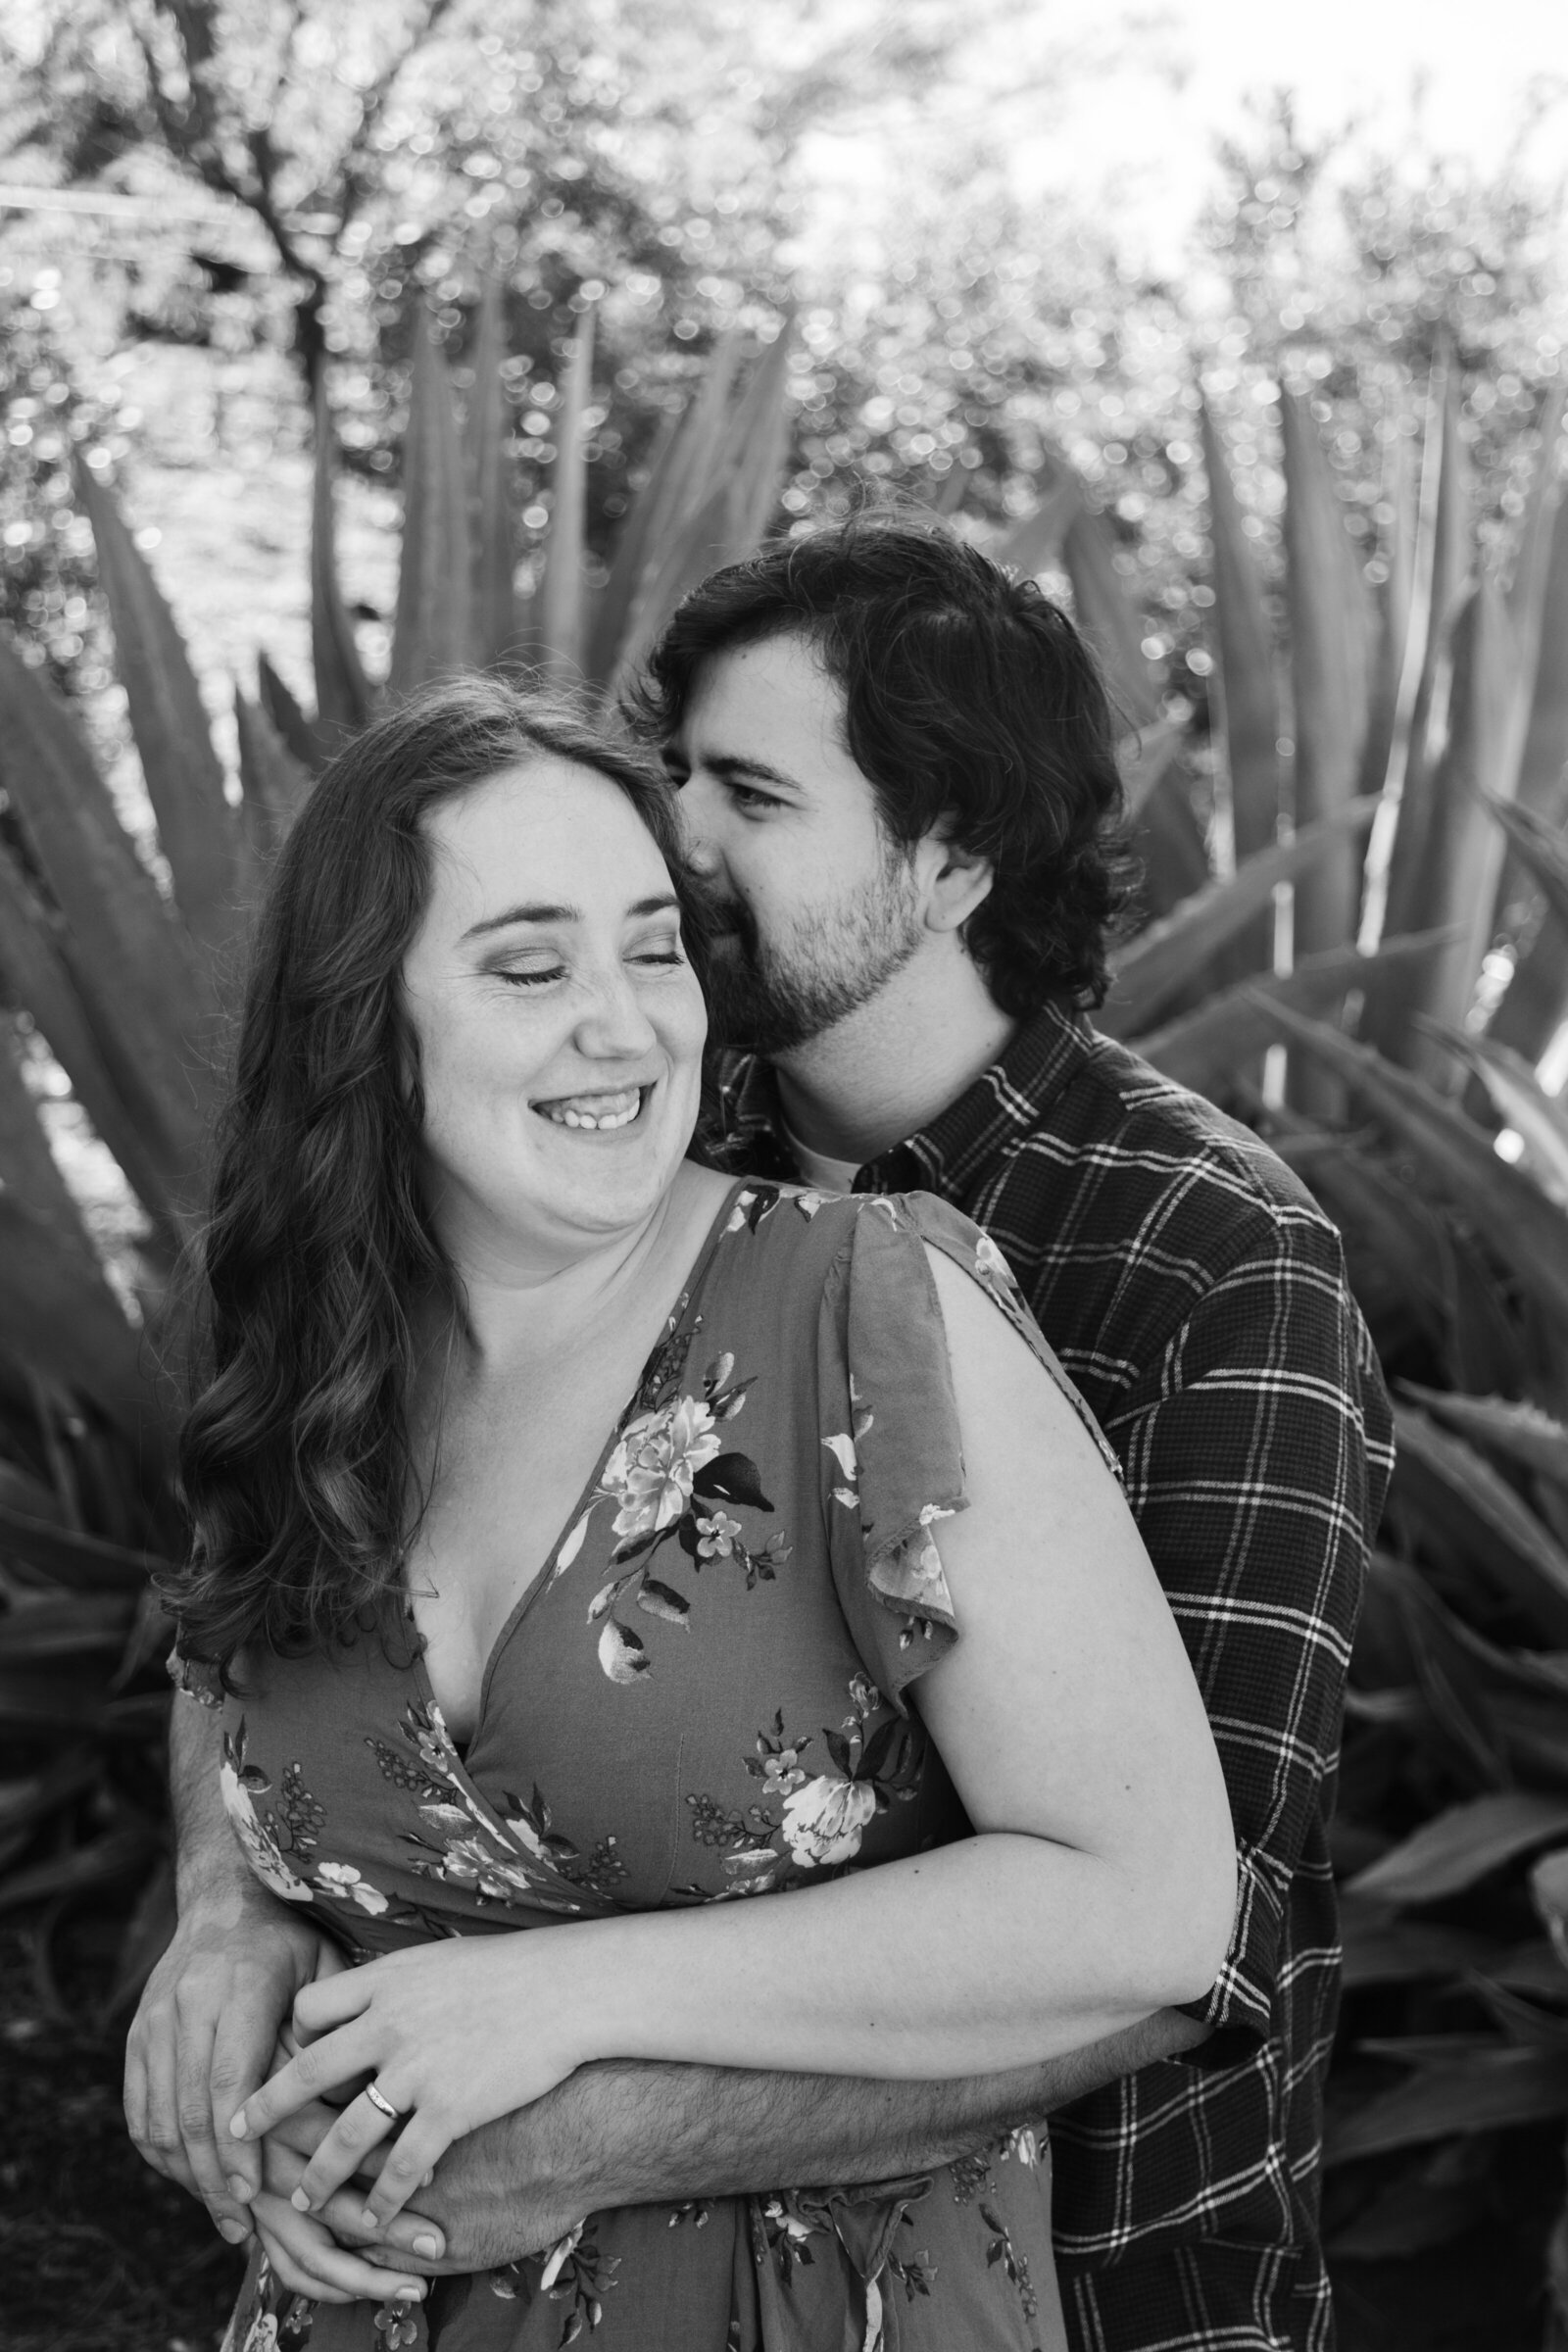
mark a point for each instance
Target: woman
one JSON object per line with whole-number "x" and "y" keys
{"x": 584, "y": 1538}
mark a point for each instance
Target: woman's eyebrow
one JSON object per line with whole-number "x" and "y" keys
{"x": 536, "y": 912}
{"x": 527, "y": 911}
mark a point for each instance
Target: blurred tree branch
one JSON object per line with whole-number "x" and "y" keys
{"x": 203, "y": 130}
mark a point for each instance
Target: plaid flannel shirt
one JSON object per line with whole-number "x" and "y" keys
{"x": 1196, "y": 1294}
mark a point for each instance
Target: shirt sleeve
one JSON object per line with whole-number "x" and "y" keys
{"x": 1257, "y": 1453}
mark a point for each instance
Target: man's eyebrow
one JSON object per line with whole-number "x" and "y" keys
{"x": 733, "y": 767}
{"x": 537, "y": 911}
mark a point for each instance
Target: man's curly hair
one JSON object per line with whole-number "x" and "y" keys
{"x": 971, "y": 701}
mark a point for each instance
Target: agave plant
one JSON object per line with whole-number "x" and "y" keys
{"x": 129, "y": 982}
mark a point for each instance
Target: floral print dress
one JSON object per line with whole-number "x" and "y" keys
{"x": 703, "y": 1695}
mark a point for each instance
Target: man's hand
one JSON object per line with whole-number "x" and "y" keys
{"x": 204, "y": 2034}
{"x": 203, "y": 2038}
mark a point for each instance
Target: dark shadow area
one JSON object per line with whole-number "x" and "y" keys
{"x": 97, "y": 2252}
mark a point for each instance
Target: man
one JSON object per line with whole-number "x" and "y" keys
{"x": 896, "y": 765}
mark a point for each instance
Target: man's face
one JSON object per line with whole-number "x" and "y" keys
{"x": 823, "y": 906}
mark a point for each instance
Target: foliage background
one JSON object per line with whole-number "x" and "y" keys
{"x": 255, "y": 203}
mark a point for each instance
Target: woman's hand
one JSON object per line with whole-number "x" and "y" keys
{"x": 451, "y": 2035}
{"x": 309, "y": 2260}
{"x": 412, "y": 2245}
{"x": 305, "y": 2250}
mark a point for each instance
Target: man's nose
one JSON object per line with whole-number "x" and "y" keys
{"x": 697, "y": 803}
{"x": 704, "y": 859}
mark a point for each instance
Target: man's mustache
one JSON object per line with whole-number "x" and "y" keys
{"x": 730, "y": 919}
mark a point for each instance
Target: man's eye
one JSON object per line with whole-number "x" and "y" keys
{"x": 747, "y": 796}
{"x": 663, "y": 955}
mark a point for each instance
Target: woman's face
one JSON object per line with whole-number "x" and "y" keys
{"x": 560, "y": 1026}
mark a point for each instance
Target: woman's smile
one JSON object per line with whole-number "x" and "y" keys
{"x": 595, "y": 1114}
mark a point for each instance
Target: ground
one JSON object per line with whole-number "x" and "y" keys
{"x": 97, "y": 2253}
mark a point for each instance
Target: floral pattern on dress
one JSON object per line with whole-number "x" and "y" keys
{"x": 669, "y": 1474}
{"x": 572, "y": 2273}
{"x": 993, "y": 1274}
{"x": 513, "y": 1857}
{"x": 269, "y": 2318}
{"x": 971, "y": 2180}
{"x": 811, "y": 1820}
{"x": 281, "y": 1844}
{"x": 911, "y": 1572}
{"x": 843, "y": 1445}
{"x": 793, "y": 2226}
{"x": 240, "y": 1782}
{"x": 194, "y": 1680}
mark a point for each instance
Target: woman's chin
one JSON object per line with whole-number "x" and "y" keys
{"x": 604, "y": 1183}
{"x": 544, "y": 1181}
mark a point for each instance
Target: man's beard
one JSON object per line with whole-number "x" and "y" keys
{"x": 775, "y": 995}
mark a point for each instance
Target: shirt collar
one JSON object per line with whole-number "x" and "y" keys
{"x": 1043, "y": 1056}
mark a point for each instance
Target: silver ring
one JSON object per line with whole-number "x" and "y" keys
{"x": 377, "y": 2099}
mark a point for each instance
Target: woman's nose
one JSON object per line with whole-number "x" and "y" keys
{"x": 615, "y": 1023}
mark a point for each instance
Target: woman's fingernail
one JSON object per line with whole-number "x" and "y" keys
{"x": 238, "y": 2125}
{"x": 426, "y": 2179}
{"x": 240, "y": 2186}
{"x": 235, "y": 2231}
{"x": 428, "y": 2247}
{"x": 370, "y": 2220}
{"x": 300, "y": 2201}
{"x": 409, "y": 2294}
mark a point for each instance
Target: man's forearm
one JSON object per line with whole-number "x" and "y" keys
{"x": 684, "y": 2131}
{"x": 208, "y": 1859}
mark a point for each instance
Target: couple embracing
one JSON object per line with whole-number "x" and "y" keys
{"x": 916, "y": 1461}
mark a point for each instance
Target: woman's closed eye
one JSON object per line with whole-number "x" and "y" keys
{"x": 533, "y": 975}
{"x": 666, "y": 957}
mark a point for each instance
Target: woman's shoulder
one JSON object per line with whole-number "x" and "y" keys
{"x": 778, "y": 1234}
{"x": 909, "y": 1258}
{"x": 755, "y": 1202}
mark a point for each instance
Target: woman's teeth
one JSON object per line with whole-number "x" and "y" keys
{"x": 599, "y": 1111}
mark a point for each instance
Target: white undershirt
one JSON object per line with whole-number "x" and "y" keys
{"x": 828, "y": 1175}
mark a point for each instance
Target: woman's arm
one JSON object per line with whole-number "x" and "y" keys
{"x": 625, "y": 2133}
{"x": 1098, "y": 1887}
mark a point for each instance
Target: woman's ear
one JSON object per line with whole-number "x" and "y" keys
{"x": 956, "y": 881}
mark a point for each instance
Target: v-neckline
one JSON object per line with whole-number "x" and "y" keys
{"x": 690, "y": 1284}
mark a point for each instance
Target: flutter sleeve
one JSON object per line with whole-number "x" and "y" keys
{"x": 892, "y": 1456}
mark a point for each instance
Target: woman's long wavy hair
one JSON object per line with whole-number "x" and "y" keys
{"x": 295, "y": 1459}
